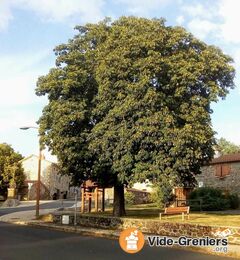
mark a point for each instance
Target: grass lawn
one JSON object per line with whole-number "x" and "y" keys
{"x": 150, "y": 211}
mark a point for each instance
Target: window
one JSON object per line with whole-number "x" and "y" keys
{"x": 222, "y": 170}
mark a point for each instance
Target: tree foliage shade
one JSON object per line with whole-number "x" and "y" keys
{"x": 11, "y": 172}
{"x": 130, "y": 100}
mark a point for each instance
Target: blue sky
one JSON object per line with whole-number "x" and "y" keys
{"x": 30, "y": 29}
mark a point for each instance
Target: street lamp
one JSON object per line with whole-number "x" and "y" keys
{"x": 39, "y": 171}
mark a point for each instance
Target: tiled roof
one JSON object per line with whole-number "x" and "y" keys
{"x": 235, "y": 157}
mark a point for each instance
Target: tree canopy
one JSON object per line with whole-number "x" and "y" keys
{"x": 130, "y": 100}
{"x": 11, "y": 171}
{"x": 226, "y": 147}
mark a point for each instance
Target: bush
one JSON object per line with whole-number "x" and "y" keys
{"x": 213, "y": 199}
{"x": 153, "y": 197}
{"x": 129, "y": 198}
{"x": 234, "y": 201}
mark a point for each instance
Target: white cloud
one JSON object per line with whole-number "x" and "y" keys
{"x": 143, "y": 7}
{"x": 197, "y": 10}
{"x": 53, "y": 10}
{"x": 5, "y": 14}
{"x": 19, "y": 62}
{"x": 180, "y": 20}
{"x": 219, "y": 21}
{"x": 19, "y": 105}
{"x": 15, "y": 118}
{"x": 229, "y": 11}
{"x": 17, "y": 90}
{"x": 201, "y": 18}
{"x": 59, "y": 10}
{"x": 201, "y": 28}
{"x": 236, "y": 55}
{"x": 18, "y": 78}
{"x": 221, "y": 17}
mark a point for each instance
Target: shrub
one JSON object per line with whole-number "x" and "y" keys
{"x": 213, "y": 199}
{"x": 161, "y": 195}
{"x": 129, "y": 198}
{"x": 234, "y": 201}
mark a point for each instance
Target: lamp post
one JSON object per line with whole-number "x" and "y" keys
{"x": 39, "y": 172}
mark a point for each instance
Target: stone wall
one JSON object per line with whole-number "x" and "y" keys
{"x": 150, "y": 226}
{"x": 230, "y": 182}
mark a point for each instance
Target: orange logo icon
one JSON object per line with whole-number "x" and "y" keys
{"x": 131, "y": 240}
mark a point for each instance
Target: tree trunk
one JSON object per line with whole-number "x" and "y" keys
{"x": 118, "y": 204}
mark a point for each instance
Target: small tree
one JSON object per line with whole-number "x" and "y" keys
{"x": 225, "y": 147}
{"x": 129, "y": 197}
{"x": 162, "y": 192}
{"x": 11, "y": 171}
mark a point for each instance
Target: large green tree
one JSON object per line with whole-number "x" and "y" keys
{"x": 11, "y": 171}
{"x": 130, "y": 100}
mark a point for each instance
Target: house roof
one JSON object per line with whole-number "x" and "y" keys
{"x": 228, "y": 158}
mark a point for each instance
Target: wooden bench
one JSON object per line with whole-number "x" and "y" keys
{"x": 176, "y": 210}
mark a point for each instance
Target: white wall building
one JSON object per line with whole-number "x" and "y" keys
{"x": 53, "y": 184}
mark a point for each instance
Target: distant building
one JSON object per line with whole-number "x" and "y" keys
{"x": 222, "y": 172}
{"x": 144, "y": 186}
{"x": 141, "y": 190}
{"x": 53, "y": 184}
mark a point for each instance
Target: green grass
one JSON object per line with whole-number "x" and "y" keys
{"x": 150, "y": 211}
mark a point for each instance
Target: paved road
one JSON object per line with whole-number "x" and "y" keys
{"x": 25, "y": 206}
{"x": 23, "y": 243}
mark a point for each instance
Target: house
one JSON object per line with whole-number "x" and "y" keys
{"x": 144, "y": 186}
{"x": 222, "y": 172}
{"x": 141, "y": 190}
{"x": 53, "y": 184}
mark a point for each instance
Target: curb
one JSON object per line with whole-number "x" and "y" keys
{"x": 112, "y": 234}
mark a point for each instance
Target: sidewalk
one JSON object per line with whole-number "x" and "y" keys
{"x": 24, "y": 216}
{"x": 28, "y": 218}
{"x": 29, "y": 203}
